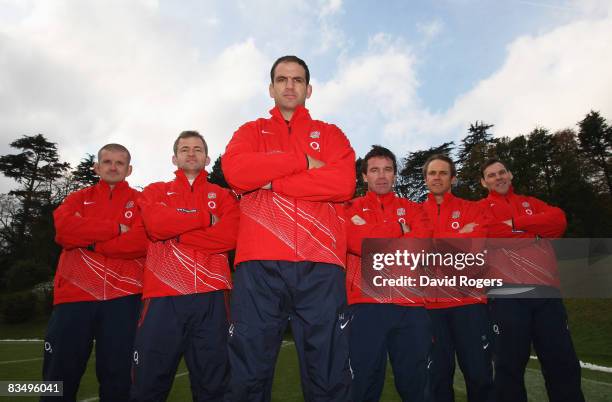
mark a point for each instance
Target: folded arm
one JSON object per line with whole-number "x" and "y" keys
{"x": 163, "y": 222}
{"x": 334, "y": 182}
{"x": 222, "y": 236}
{"x": 129, "y": 245}
{"x": 73, "y": 230}
{"x": 246, "y": 169}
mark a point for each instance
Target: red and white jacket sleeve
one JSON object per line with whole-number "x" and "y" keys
{"x": 334, "y": 182}
{"x": 129, "y": 245}
{"x": 497, "y": 227}
{"x": 246, "y": 169}
{"x": 418, "y": 222}
{"x": 355, "y": 234}
{"x": 222, "y": 236}
{"x": 473, "y": 213}
{"x": 163, "y": 222}
{"x": 72, "y": 230}
{"x": 502, "y": 235}
{"x": 547, "y": 221}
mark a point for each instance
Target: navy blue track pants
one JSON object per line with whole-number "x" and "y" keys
{"x": 404, "y": 333}
{"x": 311, "y": 297}
{"x": 190, "y": 326}
{"x": 69, "y": 340}
{"x": 464, "y": 331}
{"x": 516, "y": 324}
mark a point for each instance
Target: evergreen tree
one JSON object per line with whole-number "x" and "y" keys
{"x": 474, "y": 149}
{"x": 588, "y": 213}
{"x": 216, "y": 174}
{"x": 360, "y": 187}
{"x": 35, "y": 168}
{"x": 539, "y": 144}
{"x": 595, "y": 138}
{"x": 529, "y": 158}
{"x": 83, "y": 175}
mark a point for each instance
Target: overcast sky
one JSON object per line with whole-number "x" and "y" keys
{"x": 403, "y": 74}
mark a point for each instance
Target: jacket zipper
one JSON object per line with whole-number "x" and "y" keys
{"x": 295, "y": 233}
{"x": 195, "y": 263}
{"x": 110, "y": 197}
{"x": 437, "y": 297}
{"x": 511, "y": 212}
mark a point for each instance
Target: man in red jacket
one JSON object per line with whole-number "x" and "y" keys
{"x": 293, "y": 173}
{"x": 191, "y": 224}
{"x": 460, "y": 322}
{"x": 533, "y": 311}
{"x": 98, "y": 281}
{"x": 402, "y": 330}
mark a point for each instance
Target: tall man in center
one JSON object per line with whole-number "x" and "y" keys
{"x": 293, "y": 173}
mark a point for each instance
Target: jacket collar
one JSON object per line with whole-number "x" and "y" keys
{"x": 447, "y": 199}
{"x": 105, "y": 189}
{"x": 384, "y": 199}
{"x": 200, "y": 180}
{"x": 300, "y": 113}
{"x": 495, "y": 194}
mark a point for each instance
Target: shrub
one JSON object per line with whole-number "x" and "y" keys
{"x": 26, "y": 273}
{"x": 18, "y": 307}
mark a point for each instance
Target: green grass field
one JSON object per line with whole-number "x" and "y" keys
{"x": 22, "y": 361}
{"x": 590, "y": 320}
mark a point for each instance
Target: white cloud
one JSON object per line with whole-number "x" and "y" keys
{"x": 86, "y": 73}
{"x": 331, "y": 37}
{"x": 551, "y": 80}
{"x": 431, "y": 29}
{"x": 68, "y": 74}
{"x": 212, "y": 21}
{"x": 371, "y": 93}
{"x": 329, "y": 7}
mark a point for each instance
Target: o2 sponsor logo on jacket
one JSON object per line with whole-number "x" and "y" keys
{"x": 211, "y": 197}
{"x": 401, "y": 213}
{"x": 455, "y": 215}
{"x": 314, "y": 144}
{"x": 527, "y": 207}
{"x": 129, "y": 214}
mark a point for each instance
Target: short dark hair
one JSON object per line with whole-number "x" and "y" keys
{"x": 290, "y": 59}
{"x": 189, "y": 134}
{"x": 440, "y": 157}
{"x": 489, "y": 162}
{"x": 380, "y": 152}
{"x": 112, "y": 147}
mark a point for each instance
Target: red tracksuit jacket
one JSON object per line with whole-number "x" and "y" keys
{"x": 300, "y": 218}
{"x": 186, "y": 254}
{"x": 447, "y": 219}
{"x": 90, "y": 218}
{"x": 383, "y": 214}
{"x": 532, "y": 260}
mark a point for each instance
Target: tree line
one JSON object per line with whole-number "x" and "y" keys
{"x": 571, "y": 168}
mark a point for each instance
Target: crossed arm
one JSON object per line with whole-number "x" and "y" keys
{"x": 292, "y": 173}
